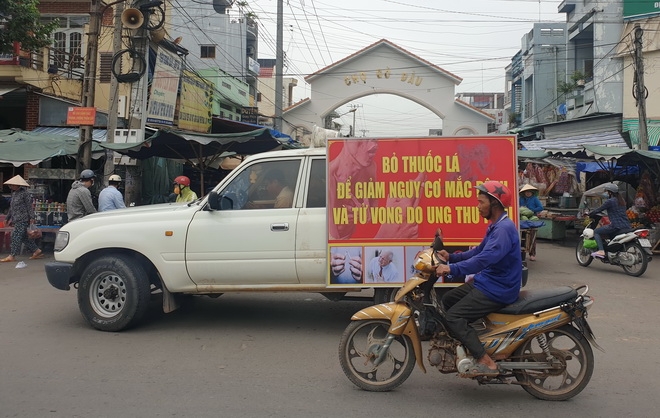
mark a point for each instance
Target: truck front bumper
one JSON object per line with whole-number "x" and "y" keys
{"x": 59, "y": 274}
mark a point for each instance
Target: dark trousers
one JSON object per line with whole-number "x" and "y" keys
{"x": 465, "y": 304}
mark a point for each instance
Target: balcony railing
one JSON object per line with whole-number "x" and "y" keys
{"x": 53, "y": 60}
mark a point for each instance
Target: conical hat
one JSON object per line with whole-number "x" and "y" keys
{"x": 17, "y": 181}
{"x": 528, "y": 187}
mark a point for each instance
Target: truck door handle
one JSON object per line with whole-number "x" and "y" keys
{"x": 279, "y": 227}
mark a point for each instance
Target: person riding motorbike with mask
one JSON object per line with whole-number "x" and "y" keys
{"x": 615, "y": 206}
{"x": 183, "y": 191}
{"x": 497, "y": 267}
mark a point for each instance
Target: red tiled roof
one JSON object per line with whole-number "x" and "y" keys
{"x": 266, "y": 72}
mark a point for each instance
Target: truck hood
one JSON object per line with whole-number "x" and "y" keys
{"x": 130, "y": 215}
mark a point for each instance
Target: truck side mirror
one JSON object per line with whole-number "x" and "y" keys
{"x": 213, "y": 201}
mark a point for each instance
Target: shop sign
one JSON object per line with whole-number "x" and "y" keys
{"x": 164, "y": 88}
{"x": 85, "y": 116}
{"x": 249, "y": 114}
{"x": 637, "y": 9}
{"x": 196, "y": 103}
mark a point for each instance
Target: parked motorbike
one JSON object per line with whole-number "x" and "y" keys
{"x": 541, "y": 342}
{"x": 629, "y": 249}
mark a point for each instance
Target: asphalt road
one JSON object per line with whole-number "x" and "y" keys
{"x": 275, "y": 355}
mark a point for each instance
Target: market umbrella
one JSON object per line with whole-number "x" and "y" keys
{"x": 190, "y": 146}
{"x": 19, "y": 147}
{"x": 201, "y": 150}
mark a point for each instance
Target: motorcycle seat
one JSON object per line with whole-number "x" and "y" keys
{"x": 530, "y": 301}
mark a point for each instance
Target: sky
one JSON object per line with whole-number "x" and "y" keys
{"x": 474, "y": 39}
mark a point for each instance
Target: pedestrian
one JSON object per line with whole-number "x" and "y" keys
{"x": 79, "y": 201}
{"x": 110, "y": 198}
{"x": 530, "y": 206}
{"x": 183, "y": 191}
{"x": 20, "y": 215}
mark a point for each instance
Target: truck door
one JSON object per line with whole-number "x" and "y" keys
{"x": 311, "y": 235}
{"x": 251, "y": 241}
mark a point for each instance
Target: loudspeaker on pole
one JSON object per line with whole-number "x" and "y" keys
{"x": 132, "y": 18}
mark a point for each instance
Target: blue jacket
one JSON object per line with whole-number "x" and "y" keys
{"x": 616, "y": 213}
{"x": 496, "y": 262}
{"x": 532, "y": 203}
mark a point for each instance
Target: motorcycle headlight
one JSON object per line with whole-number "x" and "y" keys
{"x": 424, "y": 261}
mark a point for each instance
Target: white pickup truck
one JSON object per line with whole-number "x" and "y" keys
{"x": 238, "y": 238}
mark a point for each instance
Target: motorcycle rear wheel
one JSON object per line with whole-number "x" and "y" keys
{"x": 639, "y": 268}
{"x": 573, "y": 350}
{"x": 358, "y": 343}
{"x": 583, "y": 255}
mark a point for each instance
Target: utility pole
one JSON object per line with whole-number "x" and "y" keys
{"x": 114, "y": 96}
{"x": 89, "y": 83}
{"x": 639, "y": 90}
{"x": 354, "y": 108}
{"x": 279, "y": 66}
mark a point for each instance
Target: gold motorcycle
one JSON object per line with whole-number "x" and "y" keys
{"x": 541, "y": 342}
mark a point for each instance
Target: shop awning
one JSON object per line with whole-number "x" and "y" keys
{"x": 7, "y": 89}
{"x": 20, "y": 147}
{"x": 191, "y": 146}
{"x": 97, "y": 134}
{"x": 574, "y": 144}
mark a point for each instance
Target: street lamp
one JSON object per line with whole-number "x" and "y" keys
{"x": 351, "y": 131}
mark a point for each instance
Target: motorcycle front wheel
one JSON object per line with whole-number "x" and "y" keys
{"x": 583, "y": 255}
{"x": 568, "y": 346}
{"x": 359, "y": 348}
{"x": 641, "y": 261}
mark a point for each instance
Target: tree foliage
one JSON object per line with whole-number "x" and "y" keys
{"x": 19, "y": 22}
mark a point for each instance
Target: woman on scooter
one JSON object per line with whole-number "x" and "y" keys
{"x": 615, "y": 206}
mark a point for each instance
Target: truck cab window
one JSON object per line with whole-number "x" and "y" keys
{"x": 267, "y": 185}
{"x": 316, "y": 190}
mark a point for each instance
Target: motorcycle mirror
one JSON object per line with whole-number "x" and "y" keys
{"x": 437, "y": 243}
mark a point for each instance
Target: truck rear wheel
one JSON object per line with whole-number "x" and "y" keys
{"x": 384, "y": 294}
{"x": 113, "y": 293}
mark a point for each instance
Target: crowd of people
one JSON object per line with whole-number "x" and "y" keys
{"x": 79, "y": 203}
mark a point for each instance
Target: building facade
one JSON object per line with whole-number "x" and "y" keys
{"x": 222, "y": 41}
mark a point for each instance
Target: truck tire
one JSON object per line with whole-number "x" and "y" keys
{"x": 384, "y": 294}
{"x": 113, "y": 293}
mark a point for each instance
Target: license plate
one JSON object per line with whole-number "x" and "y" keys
{"x": 644, "y": 242}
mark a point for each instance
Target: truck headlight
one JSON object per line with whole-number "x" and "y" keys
{"x": 61, "y": 240}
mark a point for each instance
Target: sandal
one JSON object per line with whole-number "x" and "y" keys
{"x": 480, "y": 369}
{"x": 7, "y": 259}
{"x": 37, "y": 254}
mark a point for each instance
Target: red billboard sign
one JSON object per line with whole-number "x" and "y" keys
{"x": 390, "y": 195}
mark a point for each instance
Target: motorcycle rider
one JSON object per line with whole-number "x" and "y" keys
{"x": 497, "y": 267}
{"x": 183, "y": 191}
{"x": 615, "y": 206}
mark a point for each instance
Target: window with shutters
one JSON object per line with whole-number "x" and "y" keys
{"x": 105, "y": 67}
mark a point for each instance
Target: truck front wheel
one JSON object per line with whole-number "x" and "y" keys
{"x": 113, "y": 293}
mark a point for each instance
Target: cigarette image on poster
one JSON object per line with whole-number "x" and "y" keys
{"x": 346, "y": 265}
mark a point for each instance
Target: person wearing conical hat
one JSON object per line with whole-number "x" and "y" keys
{"x": 21, "y": 215}
{"x": 528, "y": 198}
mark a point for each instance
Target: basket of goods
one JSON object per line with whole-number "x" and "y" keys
{"x": 653, "y": 214}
